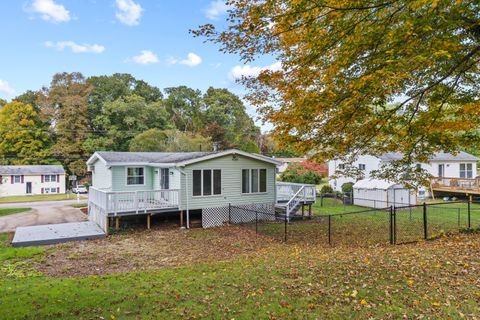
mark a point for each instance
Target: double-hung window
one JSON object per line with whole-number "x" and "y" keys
{"x": 254, "y": 180}
{"x": 50, "y": 178}
{"x": 46, "y": 178}
{"x": 361, "y": 166}
{"x": 135, "y": 176}
{"x": 341, "y": 166}
{"x": 466, "y": 170}
{"x": 17, "y": 179}
{"x": 207, "y": 182}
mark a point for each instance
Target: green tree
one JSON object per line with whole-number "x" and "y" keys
{"x": 343, "y": 64}
{"x": 226, "y": 110}
{"x": 127, "y": 117}
{"x": 169, "y": 141}
{"x": 2, "y": 102}
{"x": 299, "y": 174}
{"x": 23, "y": 139}
{"x": 185, "y": 108}
{"x": 250, "y": 146}
{"x": 29, "y": 97}
{"x": 65, "y": 103}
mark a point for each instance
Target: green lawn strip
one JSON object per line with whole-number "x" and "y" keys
{"x": 41, "y": 197}
{"x": 10, "y": 254}
{"x": 7, "y": 211}
{"x": 291, "y": 283}
{"x": 78, "y": 205}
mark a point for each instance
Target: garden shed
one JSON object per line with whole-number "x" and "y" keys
{"x": 375, "y": 193}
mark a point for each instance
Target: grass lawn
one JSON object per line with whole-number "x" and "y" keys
{"x": 40, "y": 197}
{"x": 78, "y": 205}
{"x": 232, "y": 274}
{"x": 7, "y": 211}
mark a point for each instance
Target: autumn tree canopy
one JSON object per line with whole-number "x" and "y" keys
{"x": 362, "y": 76}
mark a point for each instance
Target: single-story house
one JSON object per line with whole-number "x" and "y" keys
{"x": 31, "y": 179}
{"x": 127, "y": 183}
{"x": 445, "y": 168}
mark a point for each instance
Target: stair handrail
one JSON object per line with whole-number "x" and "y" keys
{"x": 287, "y": 206}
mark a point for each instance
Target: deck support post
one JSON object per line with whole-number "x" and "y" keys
{"x": 117, "y": 223}
{"x": 310, "y": 211}
{"x": 181, "y": 218}
{"x": 148, "y": 221}
{"x": 303, "y": 210}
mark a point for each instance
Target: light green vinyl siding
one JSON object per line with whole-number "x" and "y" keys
{"x": 119, "y": 179}
{"x": 101, "y": 177}
{"x": 231, "y": 183}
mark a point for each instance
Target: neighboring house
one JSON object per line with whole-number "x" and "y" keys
{"x": 460, "y": 167}
{"x": 286, "y": 161}
{"x": 126, "y": 183}
{"x": 31, "y": 179}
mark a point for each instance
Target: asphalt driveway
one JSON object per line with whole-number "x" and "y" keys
{"x": 44, "y": 212}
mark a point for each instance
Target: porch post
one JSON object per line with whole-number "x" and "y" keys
{"x": 148, "y": 221}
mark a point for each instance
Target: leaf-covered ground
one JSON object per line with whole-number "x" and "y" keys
{"x": 229, "y": 273}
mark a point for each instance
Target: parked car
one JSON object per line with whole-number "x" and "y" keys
{"x": 80, "y": 189}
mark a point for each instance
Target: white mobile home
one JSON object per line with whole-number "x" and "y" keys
{"x": 31, "y": 180}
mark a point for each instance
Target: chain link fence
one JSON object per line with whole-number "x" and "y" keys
{"x": 369, "y": 227}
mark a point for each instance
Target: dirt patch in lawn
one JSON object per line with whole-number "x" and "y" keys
{"x": 151, "y": 249}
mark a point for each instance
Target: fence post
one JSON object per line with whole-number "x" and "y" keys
{"x": 329, "y": 229}
{"x": 469, "y": 204}
{"x": 229, "y": 213}
{"x": 394, "y": 225}
{"x": 321, "y": 199}
{"x": 391, "y": 225}
{"x": 256, "y": 222}
{"x": 335, "y": 198}
{"x": 425, "y": 227}
{"x": 285, "y": 236}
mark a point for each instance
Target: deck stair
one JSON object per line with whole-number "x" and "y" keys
{"x": 291, "y": 198}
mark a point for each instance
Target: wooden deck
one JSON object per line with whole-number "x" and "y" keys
{"x": 466, "y": 186}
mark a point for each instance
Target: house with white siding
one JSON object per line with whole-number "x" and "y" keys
{"x": 455, "y": 173}
{"x": 151, "y": 183}
{"x": 27, "y": 180}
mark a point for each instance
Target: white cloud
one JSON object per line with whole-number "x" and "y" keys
{"x": 75, "y": 47}
{"x": 192, "y": 60}
{"x": 50, "y": 11}
{"x": 247, "y": 71}
{"x": 146, "y": 57}
{"x": 6, "y": 89}
{"x": 128, "y": 12}
{"x": 216, "y": 9}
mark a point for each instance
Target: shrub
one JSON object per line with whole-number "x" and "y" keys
{"x": 347, "y": 187}
{"x": 299, "y": 174}
{"x": 326, "y": 189}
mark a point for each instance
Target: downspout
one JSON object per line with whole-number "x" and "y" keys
{"x": 186, "y": 196}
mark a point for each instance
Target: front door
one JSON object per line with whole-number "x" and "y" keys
{"x": 164, "y": 178}
{"x": 441, "y": 170}
{"x": 29, "y": 188}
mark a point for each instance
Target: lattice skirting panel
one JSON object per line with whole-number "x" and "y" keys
{"x": 218, "y": 216}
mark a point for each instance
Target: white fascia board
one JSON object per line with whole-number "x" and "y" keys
{"x": 229, "y": 152}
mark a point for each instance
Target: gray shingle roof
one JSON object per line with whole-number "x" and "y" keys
{"x": 150, "y": 157}
{"x": 439, "y": 156}
{"x": 34, "y": 169}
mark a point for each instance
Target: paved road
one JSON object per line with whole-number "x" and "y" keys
{"x": 39, "y": 204}
{"x": 43, "y": 212}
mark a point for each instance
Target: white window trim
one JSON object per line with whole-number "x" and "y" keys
{"x": 15, "y": 178}
{"x": 139, "y": 184}
{"x": 466, "y": 170}
{"x": 201, "y": 184}
{"x": 250, "y": 181}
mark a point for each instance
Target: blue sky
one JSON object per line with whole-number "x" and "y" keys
{"x": 146, "y": 38}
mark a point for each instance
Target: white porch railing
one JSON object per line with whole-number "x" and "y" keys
{"x": 133, "y": 201}
{"x": 287, "y": 190}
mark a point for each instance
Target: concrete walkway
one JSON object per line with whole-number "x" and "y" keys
{"x": 42, "y": 213}
{"x": 36, "y": 204}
